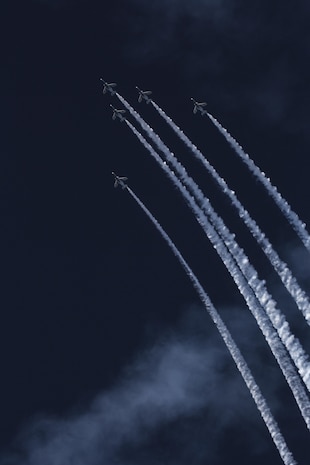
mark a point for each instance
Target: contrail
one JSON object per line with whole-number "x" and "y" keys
{"x": 298, "y": 226}
{"x": 263, "y": 321}
{"x": 280, "y": 266}
{"x": 278, "y": 320}
{"x": 233, "y": 349}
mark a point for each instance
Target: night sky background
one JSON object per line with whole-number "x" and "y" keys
{"x": 107, "y": 356}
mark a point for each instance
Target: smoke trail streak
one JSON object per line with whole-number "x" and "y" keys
{"x": 233, "y": 349}
{"x": 298, "y": 226}
{"x": 280, "y": 266}
{"x": 278, "y": 320}
{"x": 263, "y": 321}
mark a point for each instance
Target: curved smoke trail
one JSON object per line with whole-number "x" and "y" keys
{"x": 263, "y": 321}
{"x": 298, "y": 226}
{"x": 278, "y": 320}
{"x": 233, "y": 349}
{"x": 280, "y": 266}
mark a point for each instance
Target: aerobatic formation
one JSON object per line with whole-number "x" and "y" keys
{"x": 284, "y": 345}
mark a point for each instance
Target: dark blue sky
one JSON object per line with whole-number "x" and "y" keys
{"x": 88, "y": 286}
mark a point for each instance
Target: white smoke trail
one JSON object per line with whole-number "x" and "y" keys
{"x": 298, "y": 226}
{"x": 278, "y": 320}
{"x": 263, "y": 321}
{"x": 280, "y": 266}
{"x": 233, "y": 349}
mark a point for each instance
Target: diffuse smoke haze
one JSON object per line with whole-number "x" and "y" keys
{"x": 176, "y": 378}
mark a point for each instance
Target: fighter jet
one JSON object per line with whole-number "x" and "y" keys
{"x": 144, "y": 95}
{"x": 118, "y": 113}
{"x": 119, "y": 181}
{"x": 108, "y": 87}
{"x": 199, "y": 107}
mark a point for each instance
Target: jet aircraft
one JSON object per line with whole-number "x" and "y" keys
{"x": 144, "y": 95}
{"x": 108, "y": 87}
{"x": 199, "y": 107}
{"x": 119, "y": 181}
{"x": 118, "y": 113}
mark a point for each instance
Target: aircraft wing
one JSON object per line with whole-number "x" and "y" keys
{"x": 140, "y": 98}
{"x": 195, "y": 110}
{"x": 120, "y": 181}
{"x": 114, "y": 115}
{"x": 148, "y": 92}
